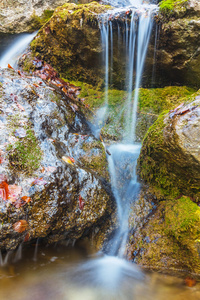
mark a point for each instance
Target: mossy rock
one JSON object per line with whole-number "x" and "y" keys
{"x": 169, "y": 159}
{"x": 70, "y": 42}
{"x": 168, "y": 240}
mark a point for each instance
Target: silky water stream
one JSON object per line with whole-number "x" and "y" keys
{"x": 67, "y": 271}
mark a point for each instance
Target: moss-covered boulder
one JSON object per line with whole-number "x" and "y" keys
{"x": 71, "y": 42}
{"x": 167, "y": 239}
{"x": 170, "y": 157}
{"x": 178, "y": 54}
{"x": 53, "y": 171}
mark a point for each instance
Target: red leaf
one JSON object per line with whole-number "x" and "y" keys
{"x": 81, "y": 202}
{"x": 26, "y": 199}
{"x": 20, "y": 226}
{"x": 27, "y": 236}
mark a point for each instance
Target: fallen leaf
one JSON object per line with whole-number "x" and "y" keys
{"x": 72, "y": 159}
{"x": 18, "y": 71}
{"x": 190, "y": 282}
{"x": 4, "y": 192}
{"x": 9, "y": 66}
{"x": 20, "y": 226}
{"x": 67, "y": 160}
{"x": 81, "y": 202}
{"x": 64, "y": 90}
{"x": 26, "y": 199}
{"x": 35, "y": 84}
{"x": 27, "y": 236}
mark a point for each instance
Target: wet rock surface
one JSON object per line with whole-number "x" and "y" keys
{"x": 48, "y": 188}
{"x": 178, "y": 55}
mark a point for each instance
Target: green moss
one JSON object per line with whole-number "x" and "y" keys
{"x": 25, "y": 154}
{"x": 163, "y": 164}
{"x": 37, "y": 22}
{"x": 182, "y": 219}
{"x": 173, "y": 234}
{"x": 169, "y": 5}
{"x": 152, "y": 102}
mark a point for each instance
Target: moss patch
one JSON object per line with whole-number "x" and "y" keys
{"x": 168, "y": 6}
{"x": 152, "y": 102}
{"x": 169, "y": 239}
{"x": 25, "y": 154}
{"x": 36, "y": 22}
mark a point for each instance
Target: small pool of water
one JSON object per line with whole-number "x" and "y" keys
{"x": 72, "y": 273}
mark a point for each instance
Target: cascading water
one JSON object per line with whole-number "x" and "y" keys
{"x": 110, "y": 270}
{"x": 16, "y": 48}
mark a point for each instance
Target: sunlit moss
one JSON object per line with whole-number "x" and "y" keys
{"x": 25, "y": 155}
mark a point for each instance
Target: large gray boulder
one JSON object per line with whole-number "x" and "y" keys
{"x": 53, "y": 171}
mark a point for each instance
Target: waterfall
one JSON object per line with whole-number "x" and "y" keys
{"x": 135, "y": 33}
{"x": 17, "y": 47}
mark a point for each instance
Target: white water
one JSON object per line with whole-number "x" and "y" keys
{"x": 15, "y": 50}
{"x": 123, "y": 159}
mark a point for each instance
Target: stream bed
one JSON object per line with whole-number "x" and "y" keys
{"x": 70, "y": 273}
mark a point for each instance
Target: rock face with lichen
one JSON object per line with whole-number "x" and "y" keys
{"x": 178, "y": 55}
{"x": 53, "y": 172}
{"x": 168, "y": 239}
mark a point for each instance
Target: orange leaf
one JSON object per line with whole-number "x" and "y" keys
{"x": 72, "y": 159}
{"x": 190, "y": 282}
{"x": 9, "y": 66}
{"x": 18, "y": 71}
{"x": 35, "y": 84}
{"x": 26, "y": 199}
{"x": 20, "y": 226}
{"x": 64, "y": 90}
{"x": 4, "y": 192}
